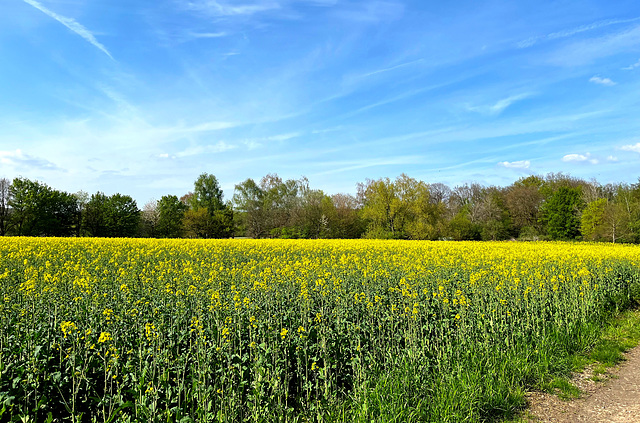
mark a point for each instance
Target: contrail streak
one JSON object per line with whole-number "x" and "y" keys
{"x": 72, "y": 25}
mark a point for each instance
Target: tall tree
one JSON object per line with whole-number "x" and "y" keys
{"x": 561, "y": 213}
{"x": 381, "y": 207}
{"x": 40, "y": 210}
{"x": 170, "y": 217}
{"x": 492, "y": 216}
{"x": 248, "y": 200}
{"x": 275, "y": 207}
{"x": 392, "y": 206}
{"x": 616, "y": 223}
{"x": 111, "y": 216}
{"x": 5, "y": 198}
{"x": 122, "y": 216}
{"x": 311, "y": 217}
{"x": 207, "y": 194}
{"x": 149, "y": 217}
{"x": 344, "y": 217}
{"x": 22, "y": 192}
{"x": 523, "y": 201}
{"x": 82, "y": 198}
{"x": 217, "y": 219}
{"x": 591, "y": 221}
{"x": 94, "y": 221}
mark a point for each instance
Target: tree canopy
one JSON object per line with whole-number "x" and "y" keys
{"x": 555, "y": 206}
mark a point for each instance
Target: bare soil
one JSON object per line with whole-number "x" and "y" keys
{"x": 616, "y": 400}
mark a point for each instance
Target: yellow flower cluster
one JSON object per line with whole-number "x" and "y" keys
{"x": 244, "y": 303}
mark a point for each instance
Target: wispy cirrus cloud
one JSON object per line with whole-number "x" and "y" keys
{"x": 224, "y": 8}
{"x": 72, "y": 25}
{"x": 206, "y": 34}
{"x": 580, "y": 158}
{"x": 371, "y": 11}
{"x": 585, "y": 51}
{"x": 207, "y": 126}
{"x": 219, "y": 147}
{"x": 529, "y": 42}
{"x": 499, "y": 106}
{"x": 602, "y": 81}
{"x": 254, "y": 143}
{"x": 383, "y": 70}
{"x": 18, "y": 159}
{"x": 519, "y": 164}
{"x": 350, "y": 165}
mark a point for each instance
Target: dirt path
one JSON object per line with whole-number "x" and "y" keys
{"x": 615, "y": 401}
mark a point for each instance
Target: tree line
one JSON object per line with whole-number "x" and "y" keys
{"x": 555, "y": 206}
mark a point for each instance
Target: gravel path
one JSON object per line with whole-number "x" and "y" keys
{"x": 615, "y": 401}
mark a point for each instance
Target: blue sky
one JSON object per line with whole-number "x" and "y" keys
{"x": 140, "y": 97}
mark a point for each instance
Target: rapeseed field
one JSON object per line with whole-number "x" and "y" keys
{"x": 146, "y": 330}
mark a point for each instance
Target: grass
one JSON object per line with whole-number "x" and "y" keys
{"x": 620, "y": 334}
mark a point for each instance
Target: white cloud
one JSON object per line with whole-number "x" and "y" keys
{"x": 197, "y": 150}
{"x": 18, "y": 159}
{"x": 581, "y": 158}
{"x": 631, "y": 147}
{"x": 602, "y": 81}
{"x": 519, "y": 164}
{"x": 253, "y": 143}
{"x": 632, "y": 67}
{"x": 72, "y": 25}
{"x": 500, "y": 105}
{"x": 223, "y": 8}
{"x": 612, "y": 159}
{"x": 283, "y": 137}
{"x": 219, "y": 147}
{"x": 208, "y": 126}
{"x": 207, "y": 34}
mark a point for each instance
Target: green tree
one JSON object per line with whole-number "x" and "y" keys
{"x": 216, "y": 221}
{"x": 561, "y": 213}
{"x": 197, "y": 223}
{"x": 111, "y": 216}
{"x": 460, "y": 227}
{"x": 170, "y": 217}
{"x": 592, "y": 219}
{"x": 94, "y": 215}
{"x": 523, "y": 201}
{"x": 248, "y": 201}
{"x": 23, "y": 193}
{"x": 277, "y": 208}
{"x": 492, "y": 215}
{"x": 343, "y": 217}
{"x": 392, "y": 207}
{"x": 39, "y": 210}
{"x": 207, "y": 194}
{"x": 312, "y": 214}
{"x": 122, "y": 216}
{"x": 616, "y": 223}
